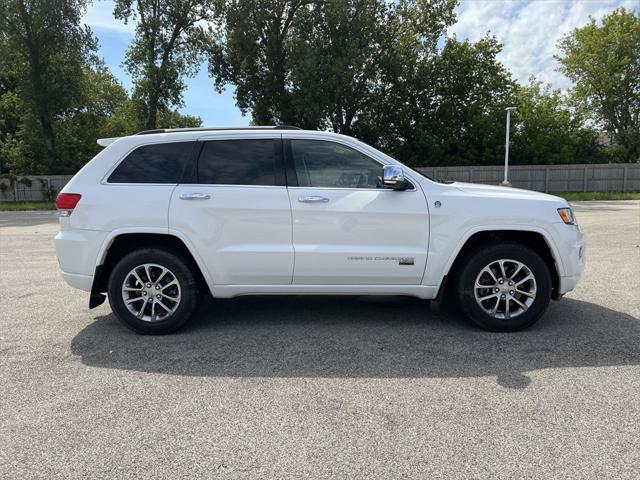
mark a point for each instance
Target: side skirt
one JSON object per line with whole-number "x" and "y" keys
{"x": 421, "y": 291}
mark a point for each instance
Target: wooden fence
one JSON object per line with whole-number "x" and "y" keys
{"x": 608, "y": 177}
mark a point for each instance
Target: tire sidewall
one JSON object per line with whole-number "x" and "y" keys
{"x": 513, "y": 251}
{"x": 183, "y": 274}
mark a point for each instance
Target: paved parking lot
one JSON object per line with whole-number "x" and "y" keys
{"x": 313, "y": 387}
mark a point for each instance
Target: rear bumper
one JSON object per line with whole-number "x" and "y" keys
{"x": 77, "y": 280}
{"x": 77, "y": 251}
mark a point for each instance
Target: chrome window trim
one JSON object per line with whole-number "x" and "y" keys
{"x": 410, "y": 190}
{"x": 226, "y": 185}
{"x": 113, "y": 184}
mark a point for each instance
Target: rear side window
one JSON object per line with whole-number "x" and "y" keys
{"x": 238, "y": 162}
{"x": 159, "y": 163}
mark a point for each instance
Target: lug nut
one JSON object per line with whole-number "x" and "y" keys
{"x": 502, "y": 296}
{"x": 158, "y": 296}
{"x": 497, "y": 290}
{"x": 510, "y": 283}
{"x": 144, "y": 292}
{"x": 148, "y": 285}
{"x": 511, "y": 292}
{"x": 501, "y": 281}
{"x": 157, "y": 287}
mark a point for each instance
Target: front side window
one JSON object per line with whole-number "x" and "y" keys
{"x": 158, "y": 163}
{"x": 324, "y": 164}
{"x": 237, "y": 162}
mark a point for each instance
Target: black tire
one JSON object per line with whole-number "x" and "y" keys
{"x": 485, "y": 255}
{"x": 178, "y": 267}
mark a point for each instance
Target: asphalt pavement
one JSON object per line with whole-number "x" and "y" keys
{"x": 320, "y": 387}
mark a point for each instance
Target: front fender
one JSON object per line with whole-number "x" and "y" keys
{"x": 442, "y": 256}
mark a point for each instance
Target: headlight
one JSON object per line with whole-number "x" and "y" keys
{"x": 566, "y": 214}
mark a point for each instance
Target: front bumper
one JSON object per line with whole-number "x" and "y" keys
{"x": 573, "y": 254}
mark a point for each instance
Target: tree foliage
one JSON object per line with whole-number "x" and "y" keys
{"x": 170, "y": 35}
{"x": 349, "y": 54}
{"x": 254, "y": 55}
{"x": 44, "y": 49}
{"x": 56, "y": 97}
{"x": 457, "y": 106}
{"x": 383, "y": 71}
{"x": 604, "y": 62}
{"x": 545, "y": 131}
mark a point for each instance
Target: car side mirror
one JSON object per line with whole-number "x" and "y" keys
{"x": 393, "y": 177}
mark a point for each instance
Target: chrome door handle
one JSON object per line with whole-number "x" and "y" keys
{"x": 313, "y": 199}
{"x": 195, "y": 196}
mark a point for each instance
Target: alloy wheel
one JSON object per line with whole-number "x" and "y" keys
{"x": 151, "y": 292}
{"x": 505, "y": 288}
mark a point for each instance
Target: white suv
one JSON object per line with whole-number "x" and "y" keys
{"x": 157, "y": 217}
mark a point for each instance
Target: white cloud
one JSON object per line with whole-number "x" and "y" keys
{"x": 100, "y": 16}
{"x": 530, "y": 29}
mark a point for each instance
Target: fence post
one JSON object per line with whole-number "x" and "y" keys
{"x": 546, "y": 180}
{"x": 624, "y": 179}
{"x": 15, "y": 190}
{"x": 584, "y": 183}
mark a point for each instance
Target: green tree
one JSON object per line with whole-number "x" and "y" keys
{"x": 170, "y": 36}
{"x": 126, "y": 119}
{"x": 45, "y": 48}
{"x": 322, "y": 64}
{"x": 99, "y": 97}
{"x": 604, "y": 62}
{"x": 449, "y": 110}
{"x": 336, "y": 57}
{"x": 348, "y": 54}
{"x": 255, "y": 54}
{"x": 547, "y": 131}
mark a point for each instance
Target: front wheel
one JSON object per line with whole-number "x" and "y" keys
{"x": 153, "y": 291}
{"x": 504, "y": 287}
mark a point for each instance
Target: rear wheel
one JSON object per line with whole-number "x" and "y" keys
{"x": 153, "y": 291}
{"x": 504, "y": 287}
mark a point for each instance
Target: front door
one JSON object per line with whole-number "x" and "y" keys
{"x": 236, "y": 211}
{"x": 347, "y": 229}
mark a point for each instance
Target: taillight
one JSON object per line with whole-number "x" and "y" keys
{"x": 66, "y": 202}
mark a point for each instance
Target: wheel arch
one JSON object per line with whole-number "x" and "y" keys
{"x": 536, "y": 239}
{"x": 119, "y": 244}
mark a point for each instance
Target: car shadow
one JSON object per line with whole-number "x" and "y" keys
{"x": 362, "y": 337}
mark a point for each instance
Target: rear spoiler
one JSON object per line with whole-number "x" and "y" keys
{"x": 103, "y": 142}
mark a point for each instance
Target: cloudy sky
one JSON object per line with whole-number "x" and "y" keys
{"x": 528, "y": 30}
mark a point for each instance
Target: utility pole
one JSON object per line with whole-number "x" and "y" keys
{"x": 505, "y": 182}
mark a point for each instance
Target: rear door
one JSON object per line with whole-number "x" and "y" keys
{"x": 347, "y": 229}
{"x": 235, "y": 210}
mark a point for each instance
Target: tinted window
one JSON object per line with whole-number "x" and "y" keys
{"x": 159, "y": 163}
{"x": 332, "y": 165}
{"x": 237, "y": 162}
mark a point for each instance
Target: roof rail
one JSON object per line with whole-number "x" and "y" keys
{"x": 206, "y": 129}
